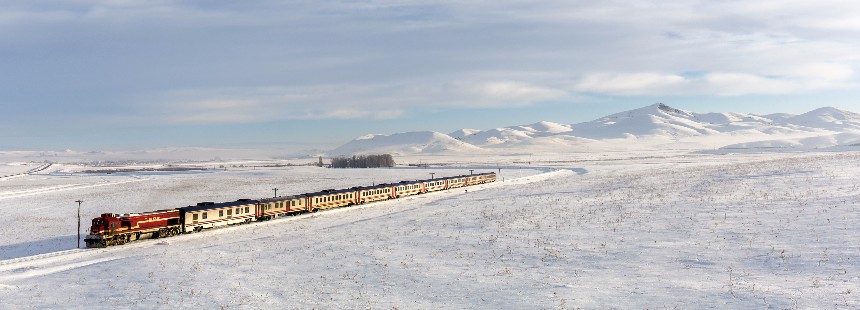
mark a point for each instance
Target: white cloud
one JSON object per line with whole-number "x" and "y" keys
{"x": 630, "y": 83}
{"x": 518, "y": 92}
{"x": 347, "y": 101}
{"x": 733, "y": 84}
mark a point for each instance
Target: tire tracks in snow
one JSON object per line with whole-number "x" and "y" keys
{"x": 44, "y": 190}
{"x": 48, "y": 263}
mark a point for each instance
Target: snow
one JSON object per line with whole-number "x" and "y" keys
{"x": 576, "y": 230}
{"x": 462, "y": 133}
{"x": 8, "y": 169}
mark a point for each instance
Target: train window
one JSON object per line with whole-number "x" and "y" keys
{"x": 204, "y": 215}
{"x": 293, "y": 203}
{"x": 247, "y": 209}
{"x": 220, "y": 213}
{"x": 238, "y": 210}
{"x": 229, "y": 212}
{"x": 194, "y": 217}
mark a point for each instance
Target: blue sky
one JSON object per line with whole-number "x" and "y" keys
{"x": 118, "y": 75}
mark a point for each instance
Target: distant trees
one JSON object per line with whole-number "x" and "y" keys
{"x": 363, "y": 161}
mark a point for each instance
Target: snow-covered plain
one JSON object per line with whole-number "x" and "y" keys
{"x": 602, "y": 230}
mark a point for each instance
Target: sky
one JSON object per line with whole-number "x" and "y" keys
{"x": 125, "y": 75}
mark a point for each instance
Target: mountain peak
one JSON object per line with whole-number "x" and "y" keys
{"x": 668, "y": 109}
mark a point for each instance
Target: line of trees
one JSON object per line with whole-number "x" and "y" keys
{"x": 363, "y": 161}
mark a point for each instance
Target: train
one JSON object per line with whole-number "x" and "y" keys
{"x": 112, "y": 229}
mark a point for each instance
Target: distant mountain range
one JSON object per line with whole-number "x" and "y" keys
{"x": 656, "y": 126}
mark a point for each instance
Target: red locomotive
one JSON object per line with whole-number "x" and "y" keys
{"x": 115, "y": 229}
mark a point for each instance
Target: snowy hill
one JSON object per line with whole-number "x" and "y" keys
{"x": 404, "y": 143}
{"x": 827, "y": 118}
{"x": 656, "y": 126}
{"x": 654, "y": 120}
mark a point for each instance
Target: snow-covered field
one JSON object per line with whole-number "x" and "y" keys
{"x": 590, "y": 231}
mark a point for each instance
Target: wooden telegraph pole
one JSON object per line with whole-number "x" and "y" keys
{"x": 79, "y": 222}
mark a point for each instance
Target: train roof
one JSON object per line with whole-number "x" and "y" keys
{"x": 212, "y": 205}
{"x": 378, "y": 186}
{"x": 282, "y": 198}
{"x": 409, "y": 182}
{"x": 145, "y": 213}
{"x": 330, "y": 192}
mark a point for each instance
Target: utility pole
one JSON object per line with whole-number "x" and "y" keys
{"x": 470, "y": 171}
{"x": 79, "y": 222}
{"x": 276, "y": 192}
{"x": 432, "y": 175}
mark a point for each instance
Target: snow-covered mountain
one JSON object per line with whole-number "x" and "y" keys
{"x": 653, "y": 120}
{"x": 656, "y": 126}
{"x": 405, "y": 143}
{"x": 513, "y": 134}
